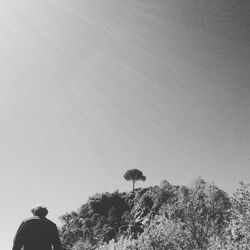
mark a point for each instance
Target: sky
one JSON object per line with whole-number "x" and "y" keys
{"x": 91, "y": 88}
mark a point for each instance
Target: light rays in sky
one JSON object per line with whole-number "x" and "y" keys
{"x": 89, "y": 89}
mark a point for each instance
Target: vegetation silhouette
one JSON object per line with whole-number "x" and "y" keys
{"x": 200, "y": 216}
{"x": 134, "y": 175}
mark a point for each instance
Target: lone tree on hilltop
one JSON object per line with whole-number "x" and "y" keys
{"x": 134, "y": 175}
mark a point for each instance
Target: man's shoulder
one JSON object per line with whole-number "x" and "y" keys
{"x": 50, "y": 222}
{"x": 36, "y": 218}
{"x": 30, "y": 219}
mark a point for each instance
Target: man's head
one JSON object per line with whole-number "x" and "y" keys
{"x": 40, "y": 211}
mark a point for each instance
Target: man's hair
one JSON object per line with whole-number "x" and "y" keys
{"x": 40, "y": 211}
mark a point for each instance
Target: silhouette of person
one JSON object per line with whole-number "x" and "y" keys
{"x": 37, "y": 232}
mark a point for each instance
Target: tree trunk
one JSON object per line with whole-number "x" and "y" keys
{"x": 133, "y": 185}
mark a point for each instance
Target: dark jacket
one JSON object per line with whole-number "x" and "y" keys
{"x": 37, "y": 234}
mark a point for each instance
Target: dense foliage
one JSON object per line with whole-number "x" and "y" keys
{"x": 201, "y": 216}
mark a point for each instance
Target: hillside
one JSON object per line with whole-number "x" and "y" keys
{"x": 194, "y": 217}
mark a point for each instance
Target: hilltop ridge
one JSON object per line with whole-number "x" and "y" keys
{"x": 191, "y": 217}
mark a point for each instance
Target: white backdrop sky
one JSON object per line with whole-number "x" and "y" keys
{"x": 91, "y": 88}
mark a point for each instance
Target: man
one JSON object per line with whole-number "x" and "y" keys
{"x": 37, "y": 232}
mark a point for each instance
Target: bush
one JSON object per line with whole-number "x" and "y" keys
{"x": 82, "y": 245}
{"x": 161, "y": 218}
{"x": 161, "y": 234}
{"x": 237, "y": 235}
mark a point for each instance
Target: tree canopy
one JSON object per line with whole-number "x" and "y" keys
{"x": 134, "y": 175}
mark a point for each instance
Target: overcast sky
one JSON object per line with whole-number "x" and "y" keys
{"x": 91, "y": 88}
